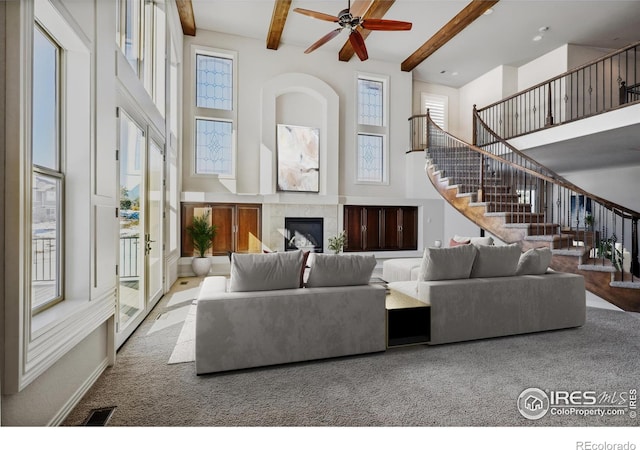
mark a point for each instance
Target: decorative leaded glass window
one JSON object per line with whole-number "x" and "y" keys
{"x": 214, "y": 82}
{"x": 214, "y": 147}
{"x": 372, "y": 153}
{"x": 370, "y": 158}
{"x": 370, "y": 102}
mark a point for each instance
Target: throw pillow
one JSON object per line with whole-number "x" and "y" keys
{"x": 454, "y": 243}
{"x": 447, "y": 263}
{"x": 340, "y": 270}
{"x": 265, "y": 271}
{"x": 496, "y": 261}
{"x": 534, "y": 261}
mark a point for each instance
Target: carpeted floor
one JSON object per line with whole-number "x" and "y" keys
{"x": 466, "y": 384}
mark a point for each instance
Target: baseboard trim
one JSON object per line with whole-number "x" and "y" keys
{"x": 73, "y": 401}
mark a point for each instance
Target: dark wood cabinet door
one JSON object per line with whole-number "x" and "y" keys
{"x": 248, "y": 229}
{"x": 391, "y": 228}
{"x": 353, "y": 228}
{"x": 408, "y": 228}
{"x": 372, "y": 228}
{"x": 223, "y": 219}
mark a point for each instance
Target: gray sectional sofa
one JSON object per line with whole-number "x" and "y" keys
{"x": 269, "y": 319}
{"x": 477, "y": 292}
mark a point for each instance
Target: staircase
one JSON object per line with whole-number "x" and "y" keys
{"x": 519, "y": 201}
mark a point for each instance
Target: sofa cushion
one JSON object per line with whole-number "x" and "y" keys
{"x": 265, "y": 271}
{"x": 534, "y": 261}
{"x": 454, "y": 243}
{"x": 488, "y": 240}
{"x": 340, "y": 270}
{"x": 496, "y": 261}
{"x": 447, "y": 263}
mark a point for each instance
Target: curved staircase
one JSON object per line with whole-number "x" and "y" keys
{"x": 514, "y": 198}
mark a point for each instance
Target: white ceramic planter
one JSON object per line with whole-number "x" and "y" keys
{"x": 201, "y": 266}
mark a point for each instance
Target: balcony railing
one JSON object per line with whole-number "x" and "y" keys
{"x": 594, "y": 88}
{"x": 44, "y": 256}
{"x": 44, "y": 259}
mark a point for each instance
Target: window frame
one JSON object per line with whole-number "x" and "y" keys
{"x": 56, "y": 174}
{"x": 373, "y": 130}
{"x": 214, "y": 114}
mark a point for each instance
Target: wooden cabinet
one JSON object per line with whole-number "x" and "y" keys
{"x": 370, "y": 228}
{"x": 238, "y": 227}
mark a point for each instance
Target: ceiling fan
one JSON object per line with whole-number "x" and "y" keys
{"x": 347, "y": 21}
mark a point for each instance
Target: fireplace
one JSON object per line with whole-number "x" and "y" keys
{"x": 305, "y": 233}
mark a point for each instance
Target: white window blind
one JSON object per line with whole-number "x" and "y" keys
{"x": 438, "y": 106}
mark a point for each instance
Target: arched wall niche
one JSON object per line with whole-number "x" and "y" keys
{"x": 303, "y": 100}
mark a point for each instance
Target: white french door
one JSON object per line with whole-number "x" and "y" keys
{"x": 154, "y": 214}
{"x": 141, "y": 268}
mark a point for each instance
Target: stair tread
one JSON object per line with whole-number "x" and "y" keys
{"x": 545, "y": 237}
{"x": 571, "y": 251}
{"x": 625, "y": 284}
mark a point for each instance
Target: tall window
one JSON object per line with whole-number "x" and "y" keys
{"x": 142, "y": 37}
{"x": 438, "y": 106}
{"x": 47, "y": 177}
{"x": 215, "y": 96}
{"x": 372, "y": 165}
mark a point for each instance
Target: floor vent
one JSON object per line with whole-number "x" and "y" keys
{"x": 99, "y": 417}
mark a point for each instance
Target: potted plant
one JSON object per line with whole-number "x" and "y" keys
{"x": 201, "y": 232}
{"x": 337, "y": 243}
{"x": 589, "y": 221}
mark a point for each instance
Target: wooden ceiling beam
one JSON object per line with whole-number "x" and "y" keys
{"x": 367, "y": 9}
{"x": 185, "y": 11}
{"x": 278, "y": 19}
{"x": 463, "y": 19}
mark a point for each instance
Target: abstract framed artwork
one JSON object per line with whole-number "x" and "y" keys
{"x": 298, "y": 158}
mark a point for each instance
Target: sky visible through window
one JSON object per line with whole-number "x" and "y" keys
{"x": 45, "y": 114}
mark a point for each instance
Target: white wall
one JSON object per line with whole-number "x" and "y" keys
{"x": 543, "y": 68}
{"x": 578, "y": 55}
{"x": 619, "y": 184}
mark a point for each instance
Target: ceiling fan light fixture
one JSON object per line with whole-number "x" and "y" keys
{"x": 347, "y": 21}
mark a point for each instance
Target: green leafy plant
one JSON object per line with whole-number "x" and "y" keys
{"x": 202, "y": 233}
{"x": 607, "y": 249}
{"x": 337, "y": 243}
{"x": 589, "y": 220}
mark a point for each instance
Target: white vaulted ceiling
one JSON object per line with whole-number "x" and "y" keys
{"x": 503, "y": 37}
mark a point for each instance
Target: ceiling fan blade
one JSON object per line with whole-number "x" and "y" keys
{"x": 357, "y": 42}
{"x": 385, "y": 25}
{"x": 316, "y": 15}
{"x": 323, "y": 40}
